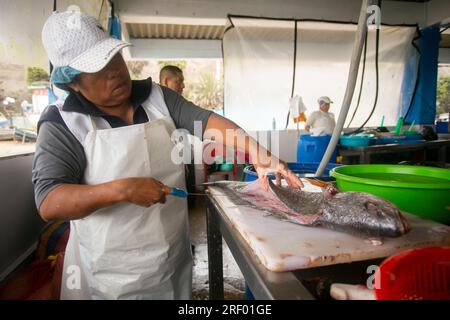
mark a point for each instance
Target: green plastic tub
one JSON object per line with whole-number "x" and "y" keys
{"x": 423, "y": 191}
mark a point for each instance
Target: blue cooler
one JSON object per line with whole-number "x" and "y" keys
{"x": 302, "y": 170}
{"x": 442, "y": 127}
{"x": 311, "y": 149}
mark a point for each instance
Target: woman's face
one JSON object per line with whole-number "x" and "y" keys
{"x": 109, "y": 87}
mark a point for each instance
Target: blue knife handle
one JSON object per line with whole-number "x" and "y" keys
{"x": 178, "y": 193}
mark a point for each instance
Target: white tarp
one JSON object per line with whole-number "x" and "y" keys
{"x": 258, "y": 70}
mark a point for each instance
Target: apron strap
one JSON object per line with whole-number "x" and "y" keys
{"x": 81, "y": 124}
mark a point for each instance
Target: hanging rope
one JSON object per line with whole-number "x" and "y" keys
{"x": 294, "y": 70}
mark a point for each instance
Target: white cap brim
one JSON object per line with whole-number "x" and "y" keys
{"x": 325, "y": 100}
{"x": 97, "y": 57}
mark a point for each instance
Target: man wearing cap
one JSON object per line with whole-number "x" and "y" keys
{"x": 321, "y": 122}
{"x": 103, "y": 161}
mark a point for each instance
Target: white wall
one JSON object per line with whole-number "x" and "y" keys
{"x": 21, "y": 24}
{"x": 444, "y": 55}
{"x": 20, "y": 37}
{"x": 167, "y": 49}
{"x": 438, "y": 11}
{"x": 342, "y": 10}
{"x": 281, "y": 143}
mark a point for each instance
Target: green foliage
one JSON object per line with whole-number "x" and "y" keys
{"x": 36, "y": 74}
{"x": 177, "y": 63}
{"x": 209, "y": 93}
{"x": 135, "y": 68}
{"x": 443, "y": 95}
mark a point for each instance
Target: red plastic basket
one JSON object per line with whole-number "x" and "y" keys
{"x": 416, "y": 274}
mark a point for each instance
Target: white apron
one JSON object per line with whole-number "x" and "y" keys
{"x": 126, "y": 251}
{"x": 324, "y": 124}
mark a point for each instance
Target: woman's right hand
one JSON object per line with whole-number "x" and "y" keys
{"x": 144, "y": 192}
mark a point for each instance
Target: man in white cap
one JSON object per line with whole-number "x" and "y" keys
{"x": 321, "y": 122}
{"x": 103, "y": 161}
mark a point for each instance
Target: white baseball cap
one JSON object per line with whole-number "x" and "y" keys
{"x": 324, "y": 99}
{"x": 76, "y": 40}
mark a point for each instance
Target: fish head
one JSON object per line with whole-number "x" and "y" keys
{"x": 386, "y": 215}
{"x": 368, "y": 214}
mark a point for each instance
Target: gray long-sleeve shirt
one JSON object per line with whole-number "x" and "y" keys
{"x": 59, "y": 156}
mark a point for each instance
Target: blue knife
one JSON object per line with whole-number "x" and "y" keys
{"x": 180, "y": 193}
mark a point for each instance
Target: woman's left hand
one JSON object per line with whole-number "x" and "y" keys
{"x": 280, "y": 169}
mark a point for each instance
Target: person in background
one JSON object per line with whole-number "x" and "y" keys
{"x": 172, "y": 78}
{"x": 321, "y": 122}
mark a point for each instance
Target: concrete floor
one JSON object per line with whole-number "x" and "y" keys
{"x": 234, "y": 286}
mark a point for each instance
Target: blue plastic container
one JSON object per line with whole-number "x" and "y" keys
{"x": 373, "y": 141}
{"x": 301, "y": 169}
{"x": 406, "y": 139}
{"x": 311, "y": 149}
{"x": 411, "y": 136}
{"x": 393, "y": 140}
{"x": 355, "y": 141}
{"x": 441, "y": 127}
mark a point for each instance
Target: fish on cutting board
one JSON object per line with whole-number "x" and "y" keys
{"x": 357, "y": 213}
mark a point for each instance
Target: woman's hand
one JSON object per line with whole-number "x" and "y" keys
{"x": 280, "y": 168}
{"x": 226, "y": 132}
{"x": 144, "y": 192}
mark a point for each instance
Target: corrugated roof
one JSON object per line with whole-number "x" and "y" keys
{"x": 174, "y": 31}
{"x": 445, "y": 39}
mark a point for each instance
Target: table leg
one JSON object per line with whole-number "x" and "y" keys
{"x": 364, "y": 158}
{"x": 442, "y": 155}
{"x": 215, "y": 258}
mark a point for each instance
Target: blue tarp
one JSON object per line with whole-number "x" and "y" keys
{"x": 423, "y": 109}
{"x": 115, "y": 27}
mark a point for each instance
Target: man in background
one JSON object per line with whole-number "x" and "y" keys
{"x": 172, "y": 78}
{"x": 321, "y": 122}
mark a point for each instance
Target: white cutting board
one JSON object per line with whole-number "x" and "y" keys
{"x": 284, "y": 246}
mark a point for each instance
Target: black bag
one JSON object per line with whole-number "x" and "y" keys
{"x": 429, "y": 134}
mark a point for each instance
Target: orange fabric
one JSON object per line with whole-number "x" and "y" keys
{"x": 39, "y": 281}
{"x": 301, "y": 118}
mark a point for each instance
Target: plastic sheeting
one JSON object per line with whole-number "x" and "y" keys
{"x": 259, "y": 67}
{"x": 258, "y": 70}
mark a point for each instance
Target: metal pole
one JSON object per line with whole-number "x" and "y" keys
{"x": 352, "y": 77}
{"x": 215, "y": 256}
